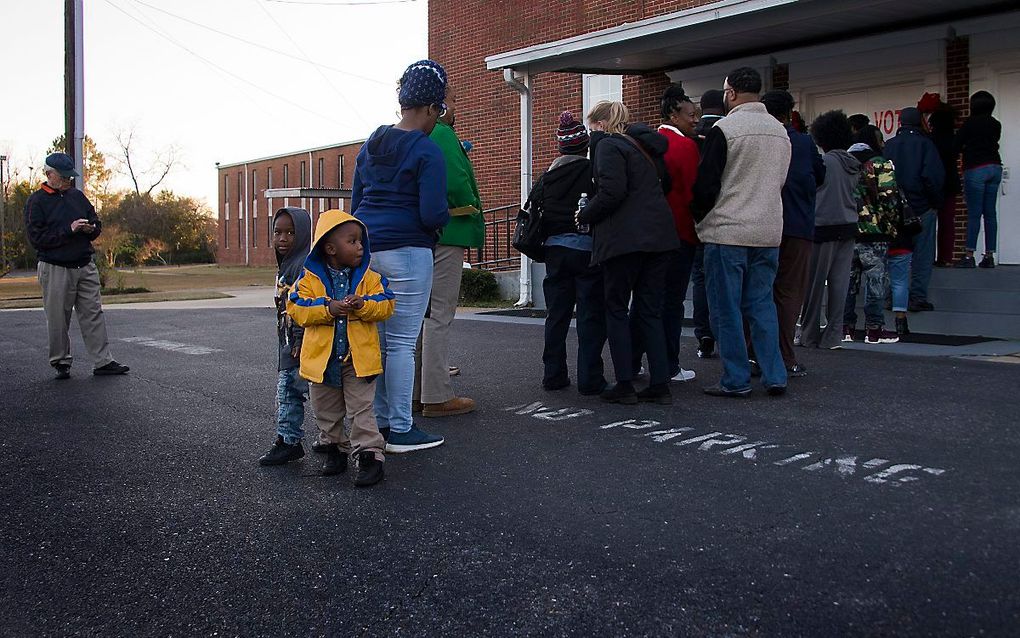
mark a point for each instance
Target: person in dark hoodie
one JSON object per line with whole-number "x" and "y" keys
{"x": 400, "y": 195}
{"x": 921, "y": 175}
{"x": 835, "y": 229}
{"x": 943, "y": 132}
{"x": 807, "y": 173}
{"x": 570, "y": 278}
{"x": 633, "y": 234}
{"x": 978, "y": 140}
{"x": 292, "y": 239}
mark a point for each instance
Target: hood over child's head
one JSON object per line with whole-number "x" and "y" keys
{"x": 292, "y": 238}
{"x": 342, "y": 246}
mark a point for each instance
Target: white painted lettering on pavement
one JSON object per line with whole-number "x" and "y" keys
{"x": 171, "y": 346}
{"x": 844, "y": 466}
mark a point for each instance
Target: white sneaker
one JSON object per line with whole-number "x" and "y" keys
{"x": 684, "y": 375}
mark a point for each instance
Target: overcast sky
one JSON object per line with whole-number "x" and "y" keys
{"x": 241, "y": 102}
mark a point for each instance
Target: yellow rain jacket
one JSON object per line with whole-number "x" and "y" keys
{"x": 309, "y": 299}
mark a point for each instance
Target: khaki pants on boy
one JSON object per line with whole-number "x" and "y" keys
{"x": 354, "y": 399}
{"x": 77, "y": 289}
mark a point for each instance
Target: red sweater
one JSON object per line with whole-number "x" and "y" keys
{"x": 682, "y": 163}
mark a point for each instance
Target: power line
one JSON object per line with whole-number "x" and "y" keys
{"x": 309, "y": 60}
{"x": 258, "y": 44}
{"x": 223, "y": 70}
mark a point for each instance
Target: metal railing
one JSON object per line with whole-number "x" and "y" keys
{"x": 496, "y": 253}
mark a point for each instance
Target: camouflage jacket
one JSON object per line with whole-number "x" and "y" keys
{"x": 879, "y": 205}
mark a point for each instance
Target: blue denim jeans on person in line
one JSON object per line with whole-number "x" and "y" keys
{"x": 409, "y": 272}
{"x": 291, "y": 395}
{"x": 739, "y": 282}
{"x": 981, "y": 190}
{"x": 699, "y": 298}
{"x": 869, "y": 265}
{"x": 899, "y": 280}
{"x": 924, "y": 257}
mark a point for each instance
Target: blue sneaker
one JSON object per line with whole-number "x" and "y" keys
{"x": 413, "y": 439}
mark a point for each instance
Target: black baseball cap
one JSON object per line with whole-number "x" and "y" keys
{"x": 62, "y": 163}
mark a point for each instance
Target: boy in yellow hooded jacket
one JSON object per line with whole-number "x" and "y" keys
{"x": 338, "y": 299}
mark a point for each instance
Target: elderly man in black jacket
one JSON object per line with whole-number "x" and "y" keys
{"x": 920, "y": 174}
{"x": 61, "y": 225}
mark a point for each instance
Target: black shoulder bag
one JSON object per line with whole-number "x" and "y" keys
{"x": 529, "y": 239}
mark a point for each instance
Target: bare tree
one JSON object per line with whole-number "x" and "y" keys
{"x": 151, "y": 171}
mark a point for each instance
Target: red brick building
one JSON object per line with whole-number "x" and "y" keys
{"x": 245, "y": 212}
{"x": 516, "y": 66}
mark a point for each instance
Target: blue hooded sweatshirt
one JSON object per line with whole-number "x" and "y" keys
{"x": 400, "y": 189}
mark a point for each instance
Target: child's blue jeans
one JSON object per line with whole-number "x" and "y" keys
{"x": 291, "y": 394}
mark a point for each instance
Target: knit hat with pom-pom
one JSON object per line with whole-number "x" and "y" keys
{"x": 571, "y": 135}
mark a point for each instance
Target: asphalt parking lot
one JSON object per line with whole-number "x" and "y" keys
{"x": 879, "y": 497}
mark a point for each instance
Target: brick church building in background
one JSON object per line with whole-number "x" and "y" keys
{"x": 516, "y": 66}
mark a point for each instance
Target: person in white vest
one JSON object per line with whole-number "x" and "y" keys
{"x": 739, "y": 213}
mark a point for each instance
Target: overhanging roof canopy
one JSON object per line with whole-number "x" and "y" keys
{"x": 731, "y": 29}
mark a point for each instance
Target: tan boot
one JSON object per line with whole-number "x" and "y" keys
{"x": 456, "y": 405}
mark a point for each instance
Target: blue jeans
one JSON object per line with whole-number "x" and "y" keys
{"x": 409, "y": 271}
{"x": 739, "y": 282}
{"x": 699, "y": 299}
{"x": 899, "y": 280}
{"x": 981, "y": 189}
{"x": 291, "y": 394}
{"x": 924, "y": 257}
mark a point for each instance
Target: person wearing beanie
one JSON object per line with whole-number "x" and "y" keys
{"x": 61, "y": 225}
{"x": 433, "y": 387}
{"x": 400, "y": 195}
{"x": 921, "y": 175}
{"x": 570, "y": 279}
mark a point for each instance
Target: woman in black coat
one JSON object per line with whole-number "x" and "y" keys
{"x": 633, "y": 234}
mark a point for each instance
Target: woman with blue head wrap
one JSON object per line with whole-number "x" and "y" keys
{"x": 400, "y": 195}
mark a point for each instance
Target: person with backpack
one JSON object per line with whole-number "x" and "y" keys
{"x": 570, "y": 278}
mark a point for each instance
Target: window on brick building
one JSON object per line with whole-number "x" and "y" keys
{"x": 303, "y": 183}
{"x": 322, "y": 172}
{"x": 596, "y": 88}
{"x": 339, "y": 171}
{"x": 286, "y": 175}
{"x": 269, "y": 177}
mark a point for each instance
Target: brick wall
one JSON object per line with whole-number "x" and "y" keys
{"x": 958, "y": 96}
{"x": 462, "y": 34}
{"x": 231, "y": 236}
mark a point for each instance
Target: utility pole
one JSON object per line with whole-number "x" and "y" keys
{"x": 74, "y": 86}
{"x": 3, "y": 217}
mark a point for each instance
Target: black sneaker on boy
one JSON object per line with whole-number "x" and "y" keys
{"x": 335, "y": 463}
{"x": 282, "y": 453}
{"x": 370, "y": 470}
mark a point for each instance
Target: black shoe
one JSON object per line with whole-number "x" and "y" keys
{"x": 902, "y": 329}
{"x": 776, "y": 390}
{"x": 321, "y": 447}
{"x": 719, "y": 391}
{"x": 335, "y": 463}
{"x": 588, "y": 392}
{"x": 385, "y": 432}
{"x": 920, "y": 306}
{"x": 621, "y": 393}
{"x": 556, "y": 384}
{"x": 706, "y": 347}
{"x": 656, "y": 394}
{"x": 987, "y": 262}
{"x": 110, "y": 369}
{"x": 755, "y": 368}
{"x": 63, "y": 371}
{"x": 282, "y": 453}
{"x": 796, "y": 370}
{"x": 370, "y": 470}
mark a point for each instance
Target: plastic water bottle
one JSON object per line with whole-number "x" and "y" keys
{"x": 584, "y": 229}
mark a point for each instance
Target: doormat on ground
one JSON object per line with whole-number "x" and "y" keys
{"x": 916, "y": 337}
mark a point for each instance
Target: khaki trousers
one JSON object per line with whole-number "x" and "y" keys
{"x": 331, "y": 405}
{"x": 67, "y": 289}
{"x": 431, "y": 358}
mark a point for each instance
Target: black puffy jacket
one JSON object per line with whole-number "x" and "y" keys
{"x": 558, "y": 191}
{"x": 629, "y": 212}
